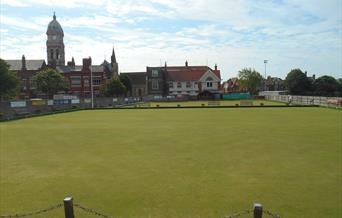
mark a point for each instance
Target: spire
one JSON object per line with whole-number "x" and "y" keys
{"x": 113, "y": 58}
{"x": 23, "y": 63}
{"x": 54, "y": 15}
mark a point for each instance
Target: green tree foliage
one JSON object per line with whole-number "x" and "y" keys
{"x": 9, "y": 82}
{"x": 326, "y": 86}
{"x": 50, "y": 82}
{"x": 126, "y": 82}
{"x": 339, "y": 87}
{"x": 113, "y": 87}
{"x": 297, "y": 82}
{"x": 250, "y": 80}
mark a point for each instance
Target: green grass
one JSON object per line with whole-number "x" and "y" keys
{"x": 175, "y": 163}
{"x": 205, "y": 103}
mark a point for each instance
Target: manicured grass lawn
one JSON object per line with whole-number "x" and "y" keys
{"x": 175, "y": 163}
{"x": 221, "y": 103}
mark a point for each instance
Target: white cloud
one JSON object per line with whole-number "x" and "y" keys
{"x": 233, "y": 34}
{"x": 14, "y": 3}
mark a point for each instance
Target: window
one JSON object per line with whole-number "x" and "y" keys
{"x": 155, "y": 84}
{"x": 188, "y": 84}
{"x": 86, "y": 82}
{"x": 51, "y": 53}
{"x": 209, "y": 84}
{"x": 57, "y": 54}
{"x": 23, "y": 84}
{"x": 170, "y": 84}
{"x": 75, "y": 81}
{"x": 32, "y": 84}
{"x": 97, "y": 81}
{"x": 179, "y": 85}
{"x": 154, "y": 73}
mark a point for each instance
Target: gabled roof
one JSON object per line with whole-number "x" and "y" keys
{"x": 189, "y": 73}
{"x": 136, "y": 77}
{"x": 68, "y": 69}
{"x": 16, "y": 65}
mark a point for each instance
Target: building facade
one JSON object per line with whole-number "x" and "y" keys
{"x": 175, "y": 81}
{"x": 78, "y": 76}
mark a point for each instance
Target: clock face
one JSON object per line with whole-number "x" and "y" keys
{"x": 54, "y": 37}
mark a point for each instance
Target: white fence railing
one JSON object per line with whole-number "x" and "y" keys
{"x": 307, "y": 100}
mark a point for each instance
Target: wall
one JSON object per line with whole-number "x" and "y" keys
{"x": 307, "y": 100}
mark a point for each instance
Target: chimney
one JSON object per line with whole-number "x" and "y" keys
{"x": 215, "y": 66}
{"x": 306, "y": 73}
{"x": 313, "y": 76}
{"x": 71, "y": 63}
{"x": 165, "y": 65}
{"x": 186, "y": 63}
{"x": 23, "y": 63}
{"x": 86, "y": 63}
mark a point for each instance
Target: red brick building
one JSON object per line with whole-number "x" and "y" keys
{"x": 79, "y": 76}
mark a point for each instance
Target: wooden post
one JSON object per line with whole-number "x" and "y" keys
{"x": 68, "y": 207}
{"x": 257, "y": 210}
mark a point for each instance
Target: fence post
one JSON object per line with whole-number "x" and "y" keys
{"x": 68, "y": 207}
{"x": 257, "y": 210}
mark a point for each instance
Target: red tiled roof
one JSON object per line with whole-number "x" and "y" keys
{"x": 190, "y": 73}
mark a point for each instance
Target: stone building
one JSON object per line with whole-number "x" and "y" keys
{"x": 138, "y": 82}
{"x": 77, "y": 75}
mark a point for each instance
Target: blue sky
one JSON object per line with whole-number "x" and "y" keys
{"x": 234, "y": 34}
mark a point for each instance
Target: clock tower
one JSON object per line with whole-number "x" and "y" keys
{"x": 55, "y": 44}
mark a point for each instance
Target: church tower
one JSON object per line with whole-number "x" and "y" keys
{"x": 55, "y": 44}
{"x": 115, "y": 65}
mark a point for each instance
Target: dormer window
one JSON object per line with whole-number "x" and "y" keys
{"x": 154, "y": 73}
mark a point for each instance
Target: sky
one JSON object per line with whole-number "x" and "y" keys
{"x": 234, "y": 34}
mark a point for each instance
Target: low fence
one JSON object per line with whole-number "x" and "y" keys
{"x": 307, "y": 100}
{"x": 20, "y": 108}
{"x": 69, "y": 206}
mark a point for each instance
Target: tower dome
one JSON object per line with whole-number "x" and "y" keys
{"x": 54, "y": 28}
{"x": 55, "y": 44}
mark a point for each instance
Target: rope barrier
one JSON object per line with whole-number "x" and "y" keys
{"x": 241, "y": 213}
{"x": 91, "y": 211}
{"x": 34, "y": 212}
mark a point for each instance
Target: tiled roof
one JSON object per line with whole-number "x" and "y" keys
{"x": 68, "y": 69}
{"x": 190, "y": 73}
{"x": 136, "y": 77}
{"x": 97, "y": 68}
{"x": 30, "y": 64}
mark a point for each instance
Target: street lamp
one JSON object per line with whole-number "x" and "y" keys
{"x": 91, "y": 85}
{"x": 265, "y": 62}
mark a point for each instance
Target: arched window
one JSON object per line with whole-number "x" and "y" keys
{"x": 57, "y": 54}
{"x": 209, "y": 79}
{"x": 51, "y": 53}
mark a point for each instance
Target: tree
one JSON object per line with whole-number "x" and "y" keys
{"x": 50, "y": 82}
{"x": 297, "y": 83}
{"x": 250, "y": 80}
{"x": 126, "y": 82}
{"x": 326, "y": 86}
{"x": 9, "y": 82}
{"x": 113, "y": 87}
{"x": 339, "y": 87}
